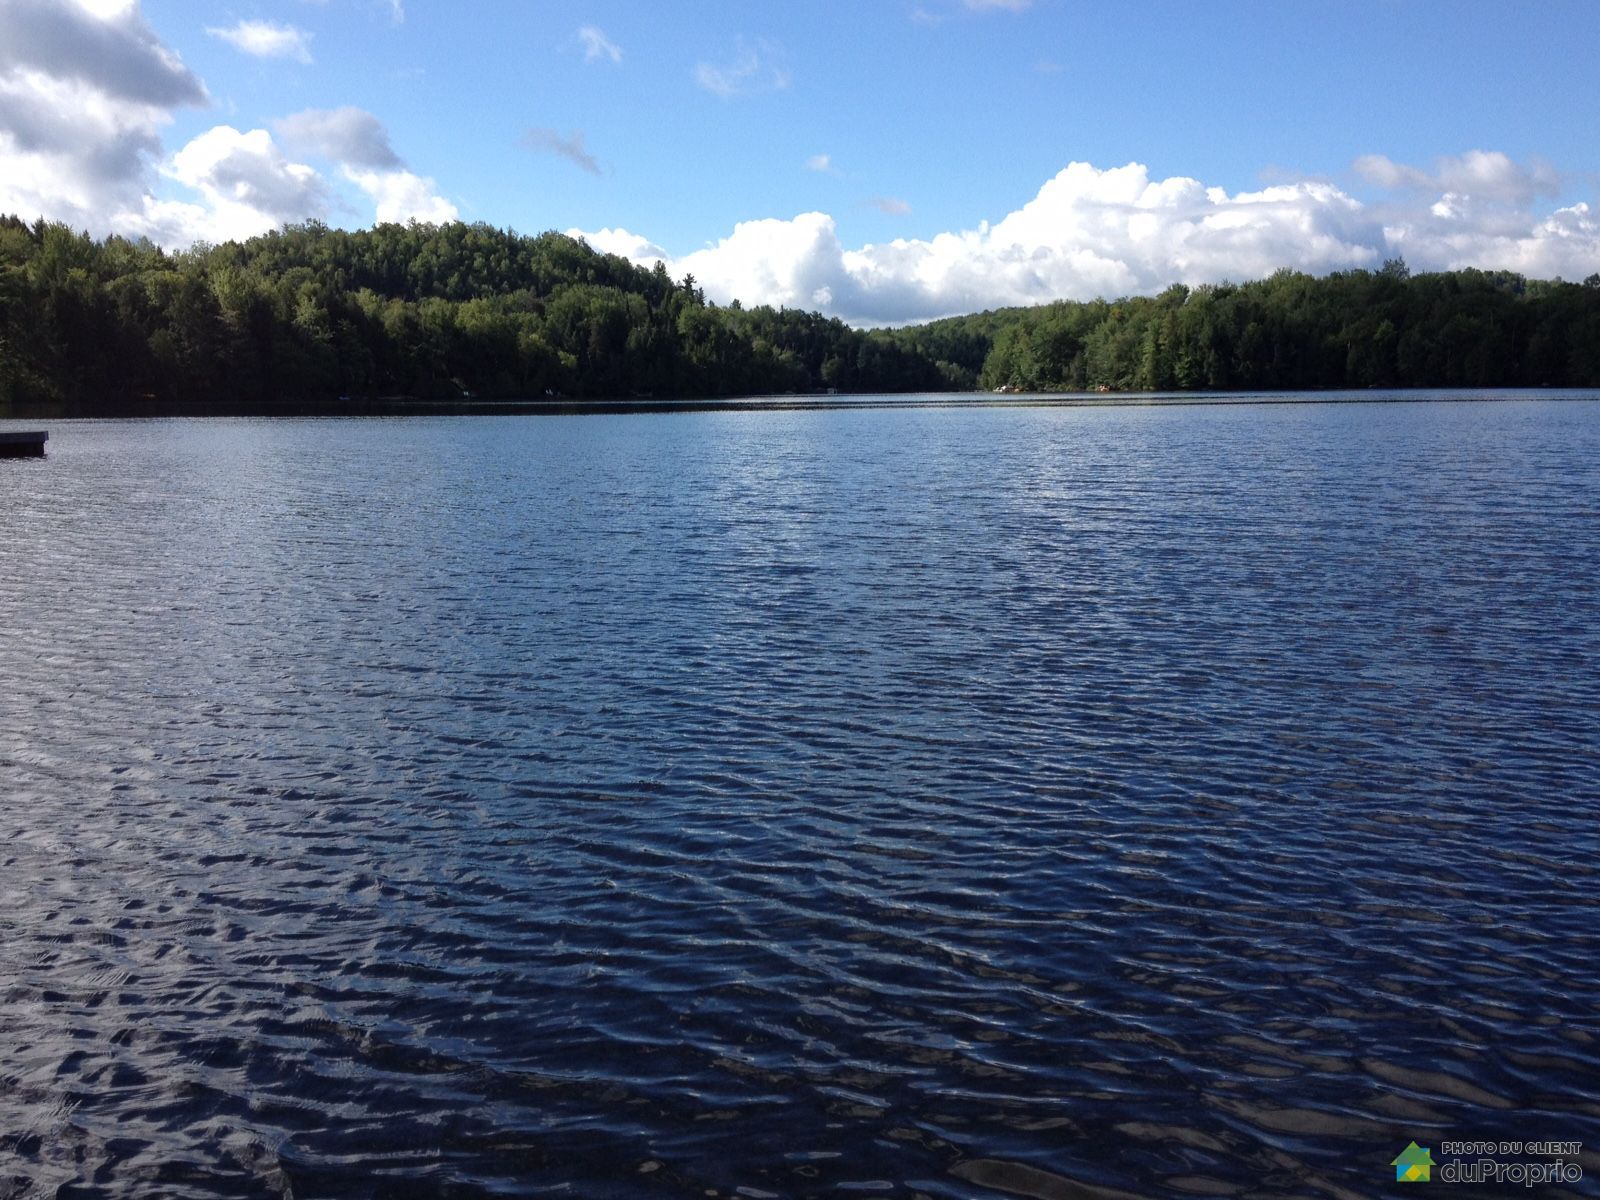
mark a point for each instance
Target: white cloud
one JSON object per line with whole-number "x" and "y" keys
{"x": 346, "y": 135}
{"x": 771, "y": 261}
{"x": 359, "y": 143}
{"x": 1450, "y": 235}
{"x": 596, "y": 45}
{"x": 85, "y": 88}
{"x": 990, "y": 5}
{"x": 756, "y": 67}
{"x": 621, "y": 242}
{"x": 1092, "y": 232}
{"x": 548, "y": 141}
{"x": 397, "y": 11}
{"x": 1385, "y": 172}
{"x": 101, "y": 44}
{"x": 248, "y": 185}
{"x": 822, "y": 163}
{"x": 401, "y": 196}
{"x": 266, "y": 39}
{"x": 1481, "y": 175}
{"x": 890, "y": 206}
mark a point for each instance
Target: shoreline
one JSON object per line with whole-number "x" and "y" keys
{"x": 157, "y": 410}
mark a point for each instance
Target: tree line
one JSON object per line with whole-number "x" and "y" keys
{"x": 1350, "y": 329}
{"x": 311, "y": 314}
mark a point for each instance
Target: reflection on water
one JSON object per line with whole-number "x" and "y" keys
{"x": 1017, "y": 802}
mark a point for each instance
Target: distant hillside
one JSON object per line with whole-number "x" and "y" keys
{"x": 1353, "y": 329}
{"x": 312, "y": 314}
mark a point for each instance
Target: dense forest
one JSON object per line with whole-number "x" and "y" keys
{"x": 1351, "y": 329}
{"x": 313, "y": 314}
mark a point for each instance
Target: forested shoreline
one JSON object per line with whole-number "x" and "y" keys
{"x": 314, "y": 315}
{"x": 1291, "y": 331}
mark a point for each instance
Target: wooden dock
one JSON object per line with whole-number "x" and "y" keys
{"x": 23, "y": 445}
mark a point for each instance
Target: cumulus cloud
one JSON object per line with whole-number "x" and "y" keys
{"x": 622, "y": 243}
{"x": 106, "y": 48}
{"x": 1451, "y": 235}
{"x": 756, "y": 67}
{"x": 549, "y": 141}
{"x": 1109, "y": 232}
{"x": 86, "y": 88}
{"x": 358, "y": 142}
{"x": 597, "y": 46}
{"x": 347, "y": 135}
{"x": 798, "y": 263}
{"x": 401, "y": 196}
{"x": 1481, "y": 175}
{"x": 1475, "y": 210}
{"x": 249, "y": 186}
{"x": 266, "y": 39}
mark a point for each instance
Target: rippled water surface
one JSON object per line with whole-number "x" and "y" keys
{"x": 1055, "y": 803}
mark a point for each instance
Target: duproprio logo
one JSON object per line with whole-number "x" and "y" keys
{"x": 1414, "y": 1165}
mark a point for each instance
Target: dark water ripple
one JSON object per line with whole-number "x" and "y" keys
{"x": 1066, "y": 804}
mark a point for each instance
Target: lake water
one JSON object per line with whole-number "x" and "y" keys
{"x": 1057, "y": 803}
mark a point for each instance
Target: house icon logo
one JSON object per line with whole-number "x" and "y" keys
{"x": 1414, "y": 1165}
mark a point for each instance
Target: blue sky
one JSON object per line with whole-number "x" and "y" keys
{"x": 1314, "y": 135}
